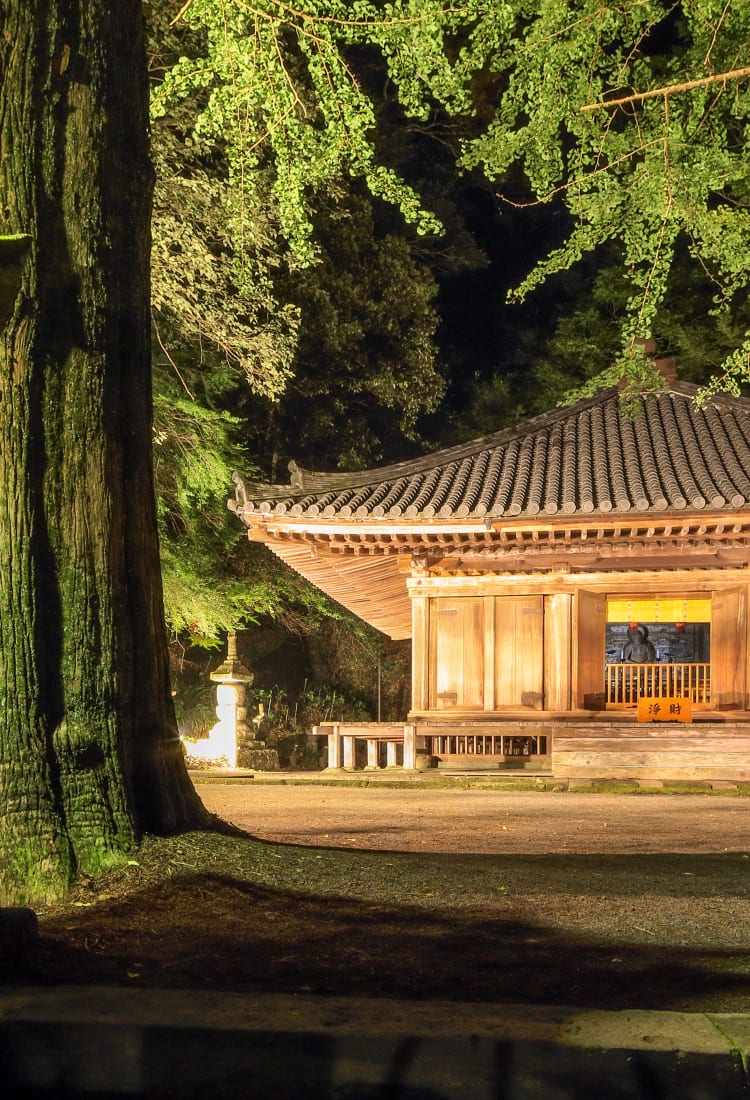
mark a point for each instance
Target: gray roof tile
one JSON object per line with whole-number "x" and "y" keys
{"x": 574, "y": 461}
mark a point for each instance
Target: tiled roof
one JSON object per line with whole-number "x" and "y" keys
{"x": 584, "y": 459}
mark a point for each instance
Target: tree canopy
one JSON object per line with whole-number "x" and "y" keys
{"x": 636, "y": 113}
{"x": 632, "y": 114}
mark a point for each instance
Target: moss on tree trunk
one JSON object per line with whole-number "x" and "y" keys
{"x": 89, "y": 754}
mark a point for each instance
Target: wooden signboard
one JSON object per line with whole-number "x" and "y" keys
{"x": 664, "y": 709}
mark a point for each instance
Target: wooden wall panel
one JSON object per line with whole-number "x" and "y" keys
{"x": 589, "y": 648}
{"x": 457, "y": 654}
{"x": 729, "y": 649}
{"x": 519, "y": 651}
{"x": 505, "y": 645}
{"x": 490, "y": 641}
{"x": 689, "y": 755}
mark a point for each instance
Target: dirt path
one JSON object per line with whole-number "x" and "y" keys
{"x": 484, "y": 822}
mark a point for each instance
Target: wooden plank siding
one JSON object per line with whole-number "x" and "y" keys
{"x": 485, "y": 653}
{"x": 557, "y": 651}
{"x": 718, "y": 751}
{"x": 519, "y": 651}
{"x": 456, "y": 639}
{"x": 588, "y": 664}
{"x": 729, "y": 649}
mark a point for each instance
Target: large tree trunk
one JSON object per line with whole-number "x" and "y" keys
{"x": 89, "y": 754}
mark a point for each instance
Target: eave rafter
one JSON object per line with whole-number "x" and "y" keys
{"x": 618, "y": 544}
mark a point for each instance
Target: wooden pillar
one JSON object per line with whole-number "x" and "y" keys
{"x": 348, "y": 754}
{"x": 334, "y": 747}
{"x": 410, "y": 746}
{"x": 419, "y": 652}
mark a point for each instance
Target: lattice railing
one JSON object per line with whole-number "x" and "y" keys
{"x": 488, "y": 744}
{"x": 626, "y": 683}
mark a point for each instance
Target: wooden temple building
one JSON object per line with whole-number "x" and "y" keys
{"x": 575, "y": 589}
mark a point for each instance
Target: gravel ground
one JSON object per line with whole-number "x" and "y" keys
{"x": 606, "y": 901}
{"x": 478, "y": 822}
{"x": 617, "y": 898}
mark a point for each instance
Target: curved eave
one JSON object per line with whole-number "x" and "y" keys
{"x": 364, "y": 565}
{"x": 359, "y": 564}
{"x": 373, "y": 588}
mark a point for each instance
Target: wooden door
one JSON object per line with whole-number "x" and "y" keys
{"x": 457, "y": 653}
{"x": 729, "y": 649}
{"x": 590, "y": 627}
{"x": 519, "y": 651}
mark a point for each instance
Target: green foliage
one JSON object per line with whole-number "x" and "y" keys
{"x": 588, "y": 334}
{"x": 214, "y": 580}
{"x": 284, "y": 713}
{"x": 199, "y": 306}
{"x": 733, "y": 376}
{"x": 585, "y": 337}
{"x": 274, "y": 590}
{"x": 348, "y": 654}
{"x": 215, "y": 340}
{"x": 364, "y": 370}
{"x": 665, "y": 165}
{"x": 648, "y": 173}
{"x": 281, "y": 92}
{"x": 233, "y": 326}
{"x": 195, "y": 297}
{"x": 193, "y": 452}
{"x": 491, "y": 403}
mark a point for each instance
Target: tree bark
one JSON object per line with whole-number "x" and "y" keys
{"x": 89, "y": 753}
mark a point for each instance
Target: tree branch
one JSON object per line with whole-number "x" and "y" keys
{"x": 670, "y": 89}
{"x": 181, "y": 12}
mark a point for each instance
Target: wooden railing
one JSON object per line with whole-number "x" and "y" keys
{"x": 626, "y": 683}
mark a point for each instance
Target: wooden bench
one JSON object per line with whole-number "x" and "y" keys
{"x": 342, "y": 738}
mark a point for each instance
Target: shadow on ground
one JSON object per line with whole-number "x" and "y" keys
{"x": 172, "y": 926}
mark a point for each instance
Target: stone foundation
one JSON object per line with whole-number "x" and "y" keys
{"x": 260, "y": 759}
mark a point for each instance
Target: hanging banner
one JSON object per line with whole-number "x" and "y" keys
{"x": 661, "y": 609}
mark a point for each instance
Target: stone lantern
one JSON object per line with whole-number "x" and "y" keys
{"x": 232, "y": 738}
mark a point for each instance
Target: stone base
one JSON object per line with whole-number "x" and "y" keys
{"x": 263, "y": 760}
{"x": 425, "y": 761}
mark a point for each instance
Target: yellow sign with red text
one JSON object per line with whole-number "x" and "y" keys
{"x": 664, "y": 710}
